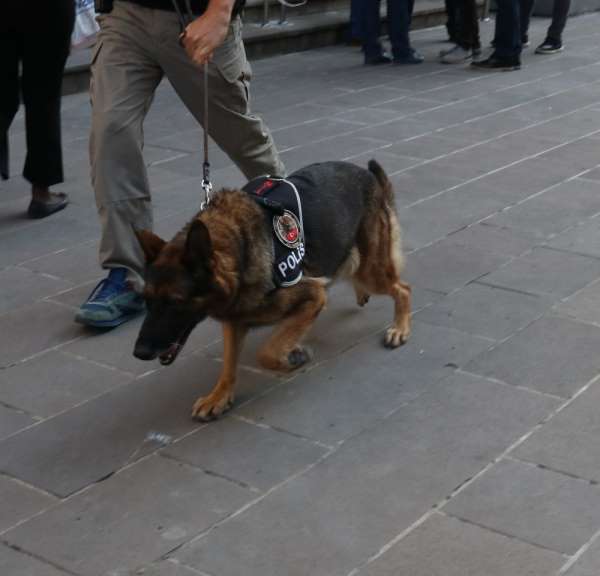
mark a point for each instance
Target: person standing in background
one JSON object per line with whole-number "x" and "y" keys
{"x": 507, "y": 39}
{"x": 34, "y": 44}
{"x": 466, "y": 33}
{"x": 399, "y": 18}
{"x": 553, "y": 41}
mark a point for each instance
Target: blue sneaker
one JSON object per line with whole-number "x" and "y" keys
{"x": 111, "y": 303}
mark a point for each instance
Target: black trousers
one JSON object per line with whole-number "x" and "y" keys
{"x": 467, "y": 24}
{"x": 560, "y": 13}
{"x": 38, "y": 43}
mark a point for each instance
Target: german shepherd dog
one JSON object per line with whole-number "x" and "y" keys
{"x": 221, "y": 265}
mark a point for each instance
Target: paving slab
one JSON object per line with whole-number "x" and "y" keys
{"x": 253, "y": 455}
{"x": 13, "y": 420}
{"x": 18, "y": 564}
{"x": 569, "y": 442}
{"x": 552, "y": 355}
{"x": 445, "y": 546}
{"x": 376, "y": 485}
{"x": 486, "y": 311}
{"x": 583, "y": 305}
{"x": 94, "y": 440}
{"x": 538, "y": 506}
{"x": 339, "y": 399}
{"x": 588, "y": 564}
{"x": 554, "y": 210}
{"x": 20, "y": 502}
{"x": 545, "y": 272}
{"x": 35, "y": 329}
{"x": 139, "y": 514}
{"x": 444, "y": 266}
{"x": 54, "y": 382}
{"x": 583, "y": 238}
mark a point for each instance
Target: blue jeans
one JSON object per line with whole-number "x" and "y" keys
{"x": 508, "y": 29}
{"x": 399, "y": 14}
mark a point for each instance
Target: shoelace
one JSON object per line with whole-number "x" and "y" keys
{"x": 109, "y": 285}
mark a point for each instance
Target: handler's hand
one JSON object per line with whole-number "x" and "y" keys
{"x": 204, "y": 34}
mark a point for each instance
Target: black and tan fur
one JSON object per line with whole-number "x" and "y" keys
{"x": 220, "y": 265}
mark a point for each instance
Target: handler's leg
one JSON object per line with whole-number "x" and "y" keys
{"x": 239, "y": 133}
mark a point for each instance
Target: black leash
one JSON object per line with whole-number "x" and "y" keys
{"x": 184, "y": 20}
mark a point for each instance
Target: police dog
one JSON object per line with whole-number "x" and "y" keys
{"x": 221, "y": 265}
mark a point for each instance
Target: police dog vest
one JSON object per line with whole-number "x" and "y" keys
{"x": 281, "y": 201}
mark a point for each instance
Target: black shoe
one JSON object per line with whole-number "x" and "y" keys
{"x": 525, "y": 41}
{"x": 41, "y": 209}
{"x": 376, "y": 60}
{"x": 413, "y": 57}
{"x": 496, "y": 63}
{"x": 549, "y": 46}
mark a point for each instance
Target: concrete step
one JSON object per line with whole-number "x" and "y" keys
{"x": 314, "y": 24}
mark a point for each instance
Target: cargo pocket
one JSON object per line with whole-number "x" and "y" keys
{"x": 230, "y": 57}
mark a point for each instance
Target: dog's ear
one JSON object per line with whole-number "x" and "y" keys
{"x": 151, "y": 244}
{"x": 198, "y": 247}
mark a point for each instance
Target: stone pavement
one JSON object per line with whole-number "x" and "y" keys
{"x": 472, "y": 451}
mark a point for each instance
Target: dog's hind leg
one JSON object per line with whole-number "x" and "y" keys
{"x": 299, "y": 306}
{"x": 398, "y": 334}
{"x": 221, "y": 396}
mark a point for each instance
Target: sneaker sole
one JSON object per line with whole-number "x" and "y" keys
{"x": 553, "y": 51}
{"x": 107, "y": 323}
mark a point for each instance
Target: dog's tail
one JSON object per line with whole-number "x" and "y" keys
{"x": 383, "y": 181}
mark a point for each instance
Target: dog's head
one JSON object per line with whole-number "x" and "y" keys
{"x": 178, "y": 287}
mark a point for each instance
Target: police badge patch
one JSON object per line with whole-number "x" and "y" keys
{"x": 280, "y": 199}
{"x": 287, "y": 229}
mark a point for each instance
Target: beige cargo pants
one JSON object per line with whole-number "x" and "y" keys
{"x": 136, "y": 47}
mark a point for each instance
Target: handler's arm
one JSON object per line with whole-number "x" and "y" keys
{"x": 206, "y": 32}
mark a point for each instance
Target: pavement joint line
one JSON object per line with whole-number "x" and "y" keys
{"x": 462, "y": 100}
{"x": 575, "y": 557}
{"x": 41, "y": 420}
{"x": 483, "y": 219}
{"x": 249, "y": 504}
{"x": 208, "y": 472}
{"x": 505, "y": 534}
{"x": 390, "y": 544}
{"x": 100, "y": 364}
{"x": 15, "y": 408}
{"x": 509, "y": 288}
{"x": 263, "y": 425}
{"x": 31, "y": 487}
{"x": 177, "y": 562}
{"x": 506, "y": 384}
{"x": 41, "y": 559}
{"x": 489, "y": 140}
{"x": 534, "y": 464}
{"x": 566, "y": 251}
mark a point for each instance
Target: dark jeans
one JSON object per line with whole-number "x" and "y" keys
{"x": 467, "y": 25}
{"x": 452, "y": 18}
{"x": 508, "y": 29}
{"x": 41, "y": 49}
{"x": 399, "y": 16}
{"x": 560, "y": 13}
{"x": 357, "y": 17}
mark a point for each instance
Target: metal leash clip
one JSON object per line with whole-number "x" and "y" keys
{"x": 206, "y": 186}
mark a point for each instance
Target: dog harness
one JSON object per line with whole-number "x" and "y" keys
{"x": 280, "y": 200}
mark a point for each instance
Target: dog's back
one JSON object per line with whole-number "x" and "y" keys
{"x": 335, "y": 197}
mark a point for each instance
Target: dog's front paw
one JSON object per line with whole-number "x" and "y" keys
{"x": 299, "y": 356}
{"x": 210, "y": 407}
{"x": 395, "y": 337}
